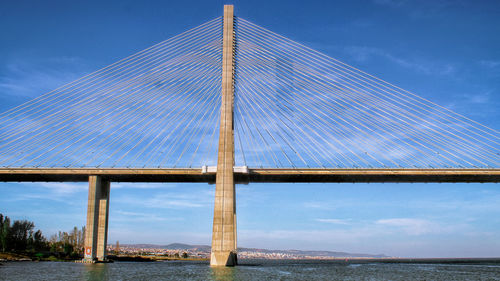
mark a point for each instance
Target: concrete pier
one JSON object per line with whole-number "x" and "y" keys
{"x": 224, "y": 225}
{"x": 96, "y": 231}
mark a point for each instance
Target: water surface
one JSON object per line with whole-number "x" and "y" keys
{"x": 248, "y": 270}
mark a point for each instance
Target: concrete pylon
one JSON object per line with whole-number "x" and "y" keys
{"x": 96, "y": 231}
{"x": 224, "y": 226}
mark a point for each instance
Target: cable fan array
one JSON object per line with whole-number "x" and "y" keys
{"x": 295, "y": 107}
{"x": 157, "y": 108}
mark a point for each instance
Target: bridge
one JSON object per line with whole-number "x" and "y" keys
{"x": 282, "y": 112}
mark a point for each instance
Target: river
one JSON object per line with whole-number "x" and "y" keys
{"x": 248, "y": 270}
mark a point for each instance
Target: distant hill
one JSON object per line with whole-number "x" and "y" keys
{"x": 330, "y": 254}
{"x": 205, "y": 248}
{"x": 173, "y": 246}
{"x": 180, "y": 246}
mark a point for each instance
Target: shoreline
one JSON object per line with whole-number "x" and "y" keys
{"x": 13, "y": 257}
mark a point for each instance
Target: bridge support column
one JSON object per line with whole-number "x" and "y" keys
{"x": 224, "y": 226}
{"x": 96, "y": 231}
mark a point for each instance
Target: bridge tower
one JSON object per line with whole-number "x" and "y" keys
{"x": 224, "y": 225}
{"x": 96, "y": 231}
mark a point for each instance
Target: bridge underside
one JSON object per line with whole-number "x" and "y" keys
{"x": 253, "y": 175}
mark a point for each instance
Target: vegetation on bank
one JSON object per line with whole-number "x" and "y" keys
{"x": 151, "y": 258}
{"x": 20, "y": 241}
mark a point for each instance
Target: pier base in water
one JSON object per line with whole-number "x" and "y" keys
{"x": 219, "y": 258}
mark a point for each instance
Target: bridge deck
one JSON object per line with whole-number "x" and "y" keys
{"x": 253, "y": 175}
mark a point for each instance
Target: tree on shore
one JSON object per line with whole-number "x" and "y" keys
{"x": 20, "y": 232}
{"x": 4, "y": 232}
{"x": 39, "y": 241}
{"x": 20, "y": 236}
{"x": 69, "y": 243}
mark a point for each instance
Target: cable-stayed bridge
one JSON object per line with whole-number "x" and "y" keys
{"x": 227, "y": 102}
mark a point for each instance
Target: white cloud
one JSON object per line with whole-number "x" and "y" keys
{"x": 173, "y": 200}
{"x": 177, "y": 204}
{"x": 420, "y": 65}
{"x": 123, "y": 185}
{"x": 394, "y": 236}
{"x": 348, "y": 240}
{"x": 412, "y": 226}
{"x": 490, "y": 63}
{"x": 478, "y": 98}
{"x": 38, "y": 76}
{"x": 131, "y": 235}
{"x": 419, "y": 10}
{"x": 334, "y": 221}
{"x": 319, "y": 205}
{"x": 391, "y": 3}
{"x": 64, "y": 187}
{"x": 60, "y": 192}
{"x": 125, "y": 216}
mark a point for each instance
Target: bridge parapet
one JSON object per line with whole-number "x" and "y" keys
{"x": 245, "y": 175}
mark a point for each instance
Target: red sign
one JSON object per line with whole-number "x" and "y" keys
{"x": 88, "y": 251}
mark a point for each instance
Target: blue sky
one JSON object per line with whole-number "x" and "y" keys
{"x": 445, "y": 51}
